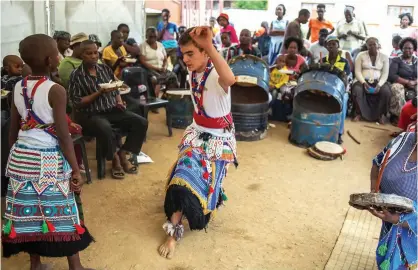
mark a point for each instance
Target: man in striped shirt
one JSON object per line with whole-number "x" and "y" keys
{"x": 100, "y": 110}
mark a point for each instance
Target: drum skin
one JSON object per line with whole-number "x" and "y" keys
{"x": 180, "y": 107}
{"x": 317, "y": 108}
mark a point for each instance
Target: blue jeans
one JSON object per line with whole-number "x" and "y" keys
{"x": 343, "y": 113}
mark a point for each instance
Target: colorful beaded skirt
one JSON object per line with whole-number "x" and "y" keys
{"x": 194, "y": 184}
{"x": 41, "y": 213}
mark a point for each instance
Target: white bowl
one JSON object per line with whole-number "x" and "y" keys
{"x": 130, "y": 60}
{"x": 110, "y": 85}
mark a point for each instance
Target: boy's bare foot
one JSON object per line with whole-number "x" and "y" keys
{"x": 357, "y": 118}
{"x": 166, "y": 250}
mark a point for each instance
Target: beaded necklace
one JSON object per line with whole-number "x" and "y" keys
{"x": 198, "y": 87}
{"x": 404, "y": 169}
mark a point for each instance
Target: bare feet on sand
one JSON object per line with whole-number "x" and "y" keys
{"x": 166, "y": 250}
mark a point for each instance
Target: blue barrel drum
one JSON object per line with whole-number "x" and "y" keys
{"x": 317, "y": 108}
{"x": 180, "y": 107}
{"x": 249, "y": 97}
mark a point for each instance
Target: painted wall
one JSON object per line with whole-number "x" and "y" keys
{"x": 173, "y": 5}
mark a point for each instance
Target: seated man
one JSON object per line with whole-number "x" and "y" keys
{"x": 98, "y": 110}
{"x": 245, "y": 46}
{"x": 336, "y": 61}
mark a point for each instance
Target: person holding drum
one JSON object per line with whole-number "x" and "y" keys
{"x": 154, "y": 58}
{"x": 397, "y": 247}
{"x": 194, "y": 186}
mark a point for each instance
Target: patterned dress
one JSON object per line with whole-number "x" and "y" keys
{"x": 41, "y": 215}
{"x": 397, "y": 248}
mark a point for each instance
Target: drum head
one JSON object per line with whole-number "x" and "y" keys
{"x": 329, "y": 148}
{"x": 379, "y": 201}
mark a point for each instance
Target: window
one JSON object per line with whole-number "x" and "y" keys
{"x": 312, "y": 8}
{"x": 395, "y": 11}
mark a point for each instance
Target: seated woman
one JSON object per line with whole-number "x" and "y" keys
{"x": 371, "y": 92}
{"x": 154, "y": 58}
{"x": 403, "y": 76}
{"x": 282, "y": 84}
{"x": 293, "y": 46}
{"x": 336, "y": 61}
{"x": 114, "y": 54}
{"x": 397, "y": 247}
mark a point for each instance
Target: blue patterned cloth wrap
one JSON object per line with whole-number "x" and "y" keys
{"x": 189, "y": 172}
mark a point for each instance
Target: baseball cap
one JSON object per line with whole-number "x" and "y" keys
{"x": 333, "y": 38}
{"x": 223, "y": 15}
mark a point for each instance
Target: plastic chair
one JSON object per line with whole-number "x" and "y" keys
{"x": 78, "y": 139}
{"x": 136, "y": 76}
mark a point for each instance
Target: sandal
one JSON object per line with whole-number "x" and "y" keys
{"x": 131, "y": 170}
{"x": 118, "y": 173}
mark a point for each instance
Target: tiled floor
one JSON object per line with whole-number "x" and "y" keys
{"x": 357, "y": 242}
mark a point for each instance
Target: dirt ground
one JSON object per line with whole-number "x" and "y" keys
{"x": 285, "y": 209}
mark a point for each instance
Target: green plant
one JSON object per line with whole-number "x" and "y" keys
{"x": 254, "y": 5}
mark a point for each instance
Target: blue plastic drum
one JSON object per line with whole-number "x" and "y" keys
{"x": 180, "y": 107}
{"x": 249, "y": 97}
{"x": 317, "y": 108}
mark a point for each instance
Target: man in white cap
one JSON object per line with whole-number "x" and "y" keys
{"x": 69, "y": 63}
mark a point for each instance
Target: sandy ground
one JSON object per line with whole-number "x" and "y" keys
{"x": 285, "y": 209}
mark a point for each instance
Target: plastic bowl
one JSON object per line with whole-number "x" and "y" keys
{"x": 130, "y": 60}
{"x": 111, "y": 85}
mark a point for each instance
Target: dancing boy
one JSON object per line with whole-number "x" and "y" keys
{"x": 194, "y": 187}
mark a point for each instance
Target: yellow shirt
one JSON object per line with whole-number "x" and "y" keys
{"x": 110, "y": 55}
{"x": 278, "y": 79}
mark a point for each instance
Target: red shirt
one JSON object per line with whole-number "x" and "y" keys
{"x": 407, "y": 111}
{"x": 231, "y": 29}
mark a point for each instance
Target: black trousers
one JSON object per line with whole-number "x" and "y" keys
{"x": 101, "y": 125}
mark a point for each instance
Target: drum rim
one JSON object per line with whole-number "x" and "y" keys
{"x": 408, "y": 206}
{"x": 245, "y": 56}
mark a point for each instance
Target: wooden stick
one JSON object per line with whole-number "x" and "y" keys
{"x": 378, "y": 128}
{"x": 382, "y": 168}
{"x": 352, "y": 137}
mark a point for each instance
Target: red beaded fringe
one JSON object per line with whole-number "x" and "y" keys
{"x": 47, "y": 237}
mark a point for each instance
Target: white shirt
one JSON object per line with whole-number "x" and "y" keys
{"x": 153, "y": 57}
{"x": 366, "y": 72}
{"x": 355, "y": 26}
{"x": 35, "y": 137}
{"x": 404, "y": 32}
{"x": 316, "y": 50}
{"x": 216, "y": 102}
